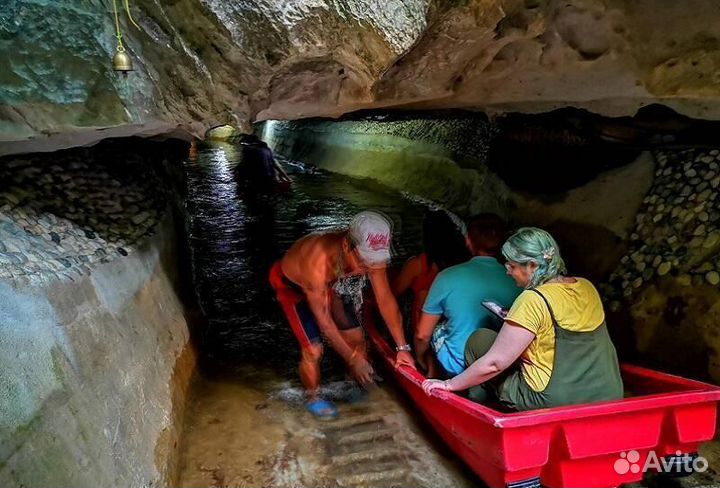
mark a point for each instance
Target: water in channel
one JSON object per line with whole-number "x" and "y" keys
{"x": 236, "y": 234}
{"x": 245, "y": 425}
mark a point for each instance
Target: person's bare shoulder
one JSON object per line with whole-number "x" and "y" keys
{"x": 307, "y": 262}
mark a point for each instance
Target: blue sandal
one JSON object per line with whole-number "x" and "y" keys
{"x": 322, "y": 409}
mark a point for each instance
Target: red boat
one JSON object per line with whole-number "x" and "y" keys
{"x": 597, "y": 445}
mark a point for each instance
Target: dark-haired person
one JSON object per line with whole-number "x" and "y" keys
{"x": 258, "y": 168}
{"x": 444, "y": 245}
{"x": 556, "y": 327}
{"x": 457, "y": 294}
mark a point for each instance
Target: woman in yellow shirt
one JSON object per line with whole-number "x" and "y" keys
{"x": 553, "y": 348}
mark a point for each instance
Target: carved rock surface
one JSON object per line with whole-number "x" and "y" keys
{"x": 201, "y": 63}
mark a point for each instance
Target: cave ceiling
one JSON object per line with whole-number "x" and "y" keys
{"x": 201, "y": 63}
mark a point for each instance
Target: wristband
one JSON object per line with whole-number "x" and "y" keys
{"x": 403, "y": 348}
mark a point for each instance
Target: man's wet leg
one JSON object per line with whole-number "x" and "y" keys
{"x": 310, "y": 369}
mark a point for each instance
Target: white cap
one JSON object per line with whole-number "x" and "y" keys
{"x": 371, "y": 233}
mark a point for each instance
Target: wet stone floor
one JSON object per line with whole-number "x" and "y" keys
{"x": 253, "y": 433}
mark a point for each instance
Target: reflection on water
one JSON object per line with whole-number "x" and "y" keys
{"x": 246, "y": 425}
{"x": 236, "y": 234}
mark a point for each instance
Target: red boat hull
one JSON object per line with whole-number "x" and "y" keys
{"x": 573, "y": 446}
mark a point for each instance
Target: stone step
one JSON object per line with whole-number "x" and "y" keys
{"x": 349, "y": 422}
{"x": 374, "y": 455}
{"x": 362, "y": 479}
{"x": 368, "y": 436}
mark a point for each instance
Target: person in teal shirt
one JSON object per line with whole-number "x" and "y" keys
{"x": 457, "y": 295}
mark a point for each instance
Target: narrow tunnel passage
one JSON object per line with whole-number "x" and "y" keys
{"x": 246, "y": 425}
{"x": 140, "y": 344}
{"x": 231, "y": 257}
{"x": 88, "y": 236}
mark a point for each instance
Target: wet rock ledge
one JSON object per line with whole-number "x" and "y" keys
{"x": 94, "y": 336}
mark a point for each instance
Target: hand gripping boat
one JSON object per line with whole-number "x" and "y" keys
{"x": 575, "y": 446}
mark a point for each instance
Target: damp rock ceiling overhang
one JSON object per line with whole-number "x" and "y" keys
{"x": 201, "y": 63}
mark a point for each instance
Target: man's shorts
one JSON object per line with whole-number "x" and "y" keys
{"x": 296, "y": 308}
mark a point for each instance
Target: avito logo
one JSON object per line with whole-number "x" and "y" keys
{"x": 680, "y": 463}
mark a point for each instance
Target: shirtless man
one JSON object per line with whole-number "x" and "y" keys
{"x": 319, "y": 284}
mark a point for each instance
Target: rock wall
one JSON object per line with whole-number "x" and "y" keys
{"x": 60, "y": 216}
{"x": 94, "y": 336}
{"x": 426, "y": 158}
{"x": 668, "y": 279}
{"x": 592, "y": 222}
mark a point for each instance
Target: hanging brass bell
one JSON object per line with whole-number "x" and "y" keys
{"x": 122, "y": 61}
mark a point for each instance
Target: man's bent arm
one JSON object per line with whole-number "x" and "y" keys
{"x": 388, "y": 305}
{"x": 319, "y": 302}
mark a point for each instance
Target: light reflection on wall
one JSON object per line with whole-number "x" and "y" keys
{"x": 268, "y": 132}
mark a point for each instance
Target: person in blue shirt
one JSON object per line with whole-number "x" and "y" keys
{"x": 457, "y": 295}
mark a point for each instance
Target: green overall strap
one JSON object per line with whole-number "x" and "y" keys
{"x": 585, "y": 366}
{"x": 552, "y": 315}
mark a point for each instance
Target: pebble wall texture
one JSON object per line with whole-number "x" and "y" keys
{"x": 61, "y": 214}
{"x": 665, "y": 290}
{"x": 678, "y": 227}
